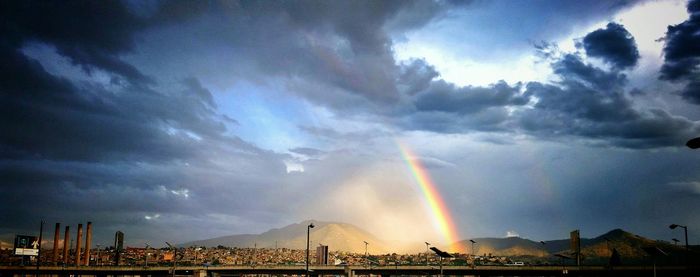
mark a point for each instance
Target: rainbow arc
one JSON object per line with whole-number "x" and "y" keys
{"x": 441, "y": 215}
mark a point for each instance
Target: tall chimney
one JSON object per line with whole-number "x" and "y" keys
{"x": 88, "y": 237}
{"x": 77, "y": 244}
{"x": 56, "y": 237}
{"x": 66, "y": 246}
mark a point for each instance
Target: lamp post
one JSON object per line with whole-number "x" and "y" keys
{"x": 427, "y": 250}
{"x": 473, "y": 242}
{"x": 366, "y": 257}
{"x": 145, "y": 255}
{"x": 441, "y": 254}
{"x": 685, "y": 228}
{"x": 308, "y": 235}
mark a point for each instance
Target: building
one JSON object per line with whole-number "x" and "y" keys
{"x": 322, "y": 255}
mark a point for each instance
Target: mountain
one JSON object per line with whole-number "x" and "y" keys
{"x": 349, "y": 238}
{"x": 338, "y": 236}
{"x": 511, "y": 246}
{"x": 629, "y": 246}
{"x": 6, "y": 245}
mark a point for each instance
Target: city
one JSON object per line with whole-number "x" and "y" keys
{"x": 229, "y": 138}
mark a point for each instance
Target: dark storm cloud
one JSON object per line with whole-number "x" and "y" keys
{"x": 333, "y": 53}
{"x": 91, "y": 34}
{"x": 120, "y": 148}
{"x": 446, "y": 97}
{"x": 614, "y": 44}
{"x": 416, "y": 75}
{"x": 446, "y": 108}
{"x": 587, "y": 102}
{"x": 682, "y": 54}
{"x": 590, "y": 103}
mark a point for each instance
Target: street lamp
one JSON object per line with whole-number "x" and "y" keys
{"x": 145, "y": 255}
{"x": 427, "y": 250}
{"x": 473, "y": 242}
{"x": 441, "y": 254}
{"x": 308, "y": 235}
{"x": 674, "y": 226}
{"x": 366, "y": 257}
{"x": 174, "y": 256}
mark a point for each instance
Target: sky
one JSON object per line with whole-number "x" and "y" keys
{"x": 185, "y": 120}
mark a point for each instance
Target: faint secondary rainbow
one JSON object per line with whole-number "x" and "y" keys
{"x": 441, "y": 215}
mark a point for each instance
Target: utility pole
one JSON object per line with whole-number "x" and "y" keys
{"x": 427, "y": 251}
{"x": 145, "y": 254}
{"x": 308, "y": 236}
{"x": 366, "y": 254}
{"x": 38, "y": 257}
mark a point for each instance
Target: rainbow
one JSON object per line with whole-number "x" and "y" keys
{"x": 441, "y": 215}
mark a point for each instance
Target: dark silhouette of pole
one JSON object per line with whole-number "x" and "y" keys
{"x": 77, "y": 245}
{"x": 56, "y": 237}
{"x": 308, "y": 236}
{"x": 145, "y": 254}
{"x": 38, "y": 258}
{"x": 427, "y": 251}
{"x": 685, "y": 228}
{"x": 174, "y": 257}
{"x": 88, "y": 240}
{"x": 366, "y": 254}
{"x": 66, "y": 246}
{"x": 473, "y": 242}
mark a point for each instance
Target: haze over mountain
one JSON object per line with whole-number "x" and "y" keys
{"x": 349, "y": 238}
{"x": 339, "y": 236}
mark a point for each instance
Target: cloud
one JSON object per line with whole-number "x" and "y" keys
{"x": 681, "y": 54}
{"x": 693, "y": 187}
{"x": 584, "y": 102}
{"x": 614, "y": 44}
{"x": 446, "y": 97}
{"x": 590, "y": 103}
{"x": 512, "y": 234}
{"x": 307, "y": 151}
{"x": 114, "y": 150}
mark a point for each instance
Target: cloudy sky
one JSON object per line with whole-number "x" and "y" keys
{"x": 186, "y": 120}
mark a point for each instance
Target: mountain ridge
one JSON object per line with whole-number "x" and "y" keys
{"x": 346, "y": 237}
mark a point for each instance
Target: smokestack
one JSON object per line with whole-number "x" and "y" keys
{"x": 66, "y": 247}
{"x": 88, "y": 237}
{"x": 77, "y": 244}
{"x": 56, "y": 236}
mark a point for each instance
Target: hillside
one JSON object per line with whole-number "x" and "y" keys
{"x": 349, "y": 238}
{"x": 512, "y": 246}
{"x": 339, "y": 236}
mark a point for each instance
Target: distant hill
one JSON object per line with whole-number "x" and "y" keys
{"x": 339, "y": 236}
{"x": 512, "y": 246}
{"x": 598, "y": 249}
{"x": 349, "y": 238}
{"x": 6, "y": 245}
